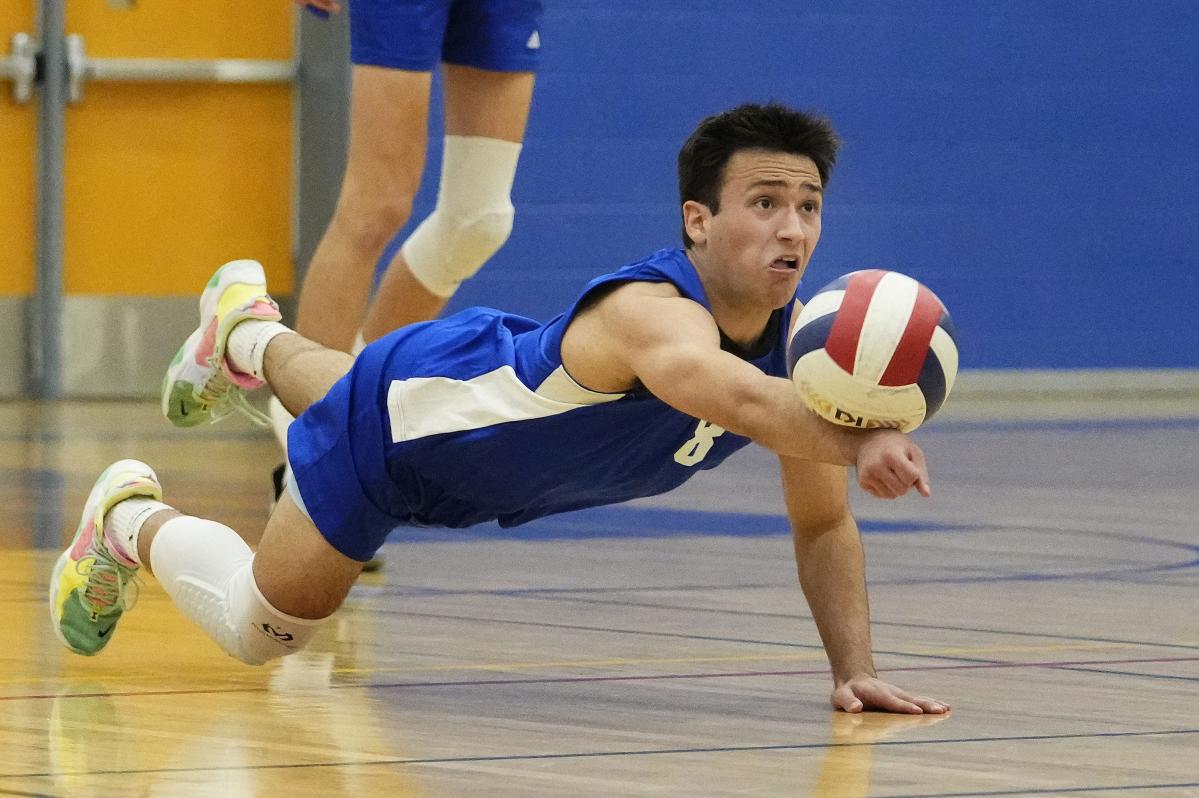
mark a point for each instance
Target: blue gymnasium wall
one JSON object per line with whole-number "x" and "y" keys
{"x": 1034, "y": 162}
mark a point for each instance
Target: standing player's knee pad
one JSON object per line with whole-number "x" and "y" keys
{"x": 473, "y": 216}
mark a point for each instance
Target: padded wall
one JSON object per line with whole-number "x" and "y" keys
{"x": 1035, "y": 163}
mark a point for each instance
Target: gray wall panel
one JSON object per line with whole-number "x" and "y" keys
{"x": 322, "y": 124}
{"x": 120, "y": 346}
{"x": 115, "y": 346}
{"x": 13, "y": 313}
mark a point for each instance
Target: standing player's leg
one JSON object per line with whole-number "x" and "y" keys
{"x": 486, "y": 113}
{"x": 394, "y": 48}
{"x": 388, "y": 118}
{"x": 490, "y": 55}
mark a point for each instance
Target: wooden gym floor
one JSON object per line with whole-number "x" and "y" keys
{"x": 1049, "y": 591}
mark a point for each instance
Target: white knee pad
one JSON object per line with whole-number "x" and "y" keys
{"x": 207, "y": 570}
{"x": 473, "y": 216}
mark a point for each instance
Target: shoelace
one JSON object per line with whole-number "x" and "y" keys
{"x": 108, "y": 585}
{"x": 223, "y": 397}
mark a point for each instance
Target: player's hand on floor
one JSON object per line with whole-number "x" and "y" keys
{"x": 863, "y": 693}
{"x": 890, "y": 464}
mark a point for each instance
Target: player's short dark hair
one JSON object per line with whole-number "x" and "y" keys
{"x": 772, "y": 127}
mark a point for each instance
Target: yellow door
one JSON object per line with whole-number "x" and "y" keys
{"x": 18, "y": 126}
{"x": 164, "y": 181}
{"x": 17, "y": 195}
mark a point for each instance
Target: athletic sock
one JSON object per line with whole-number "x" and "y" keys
{"x": 247, "y": 344}
{"x": 123, "y": 525}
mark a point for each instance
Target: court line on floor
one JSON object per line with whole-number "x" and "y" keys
{"x": 1110, "y": 672}
{"x": 953, "y": 654}
{"x": 636, "y": 522}
{"x": 1070, "y": 665}
{"x": 550, "y": 595}
{"x": 1185, "y": 422}
{"x": 816, "y": 654}
{"x": 732, "y": 749}
{"x": 1076, "y": 665}
{"x": 1049, "y": 791}
{"x": 652, "y": 633}
{"x": 572, "y": 596}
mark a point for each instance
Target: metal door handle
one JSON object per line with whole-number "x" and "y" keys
{"x": 20, "y": 66}
{"x": 81, "y": 69}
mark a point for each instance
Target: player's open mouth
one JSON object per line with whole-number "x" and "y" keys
{"x": 785, "y": 264}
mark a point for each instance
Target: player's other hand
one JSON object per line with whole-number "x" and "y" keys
{"x": 890, "y": 464}
{"x": 326, "y": 6}
{"x": 863, "y": 693}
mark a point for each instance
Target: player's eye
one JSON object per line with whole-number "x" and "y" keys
{"x": 765, "y": 203}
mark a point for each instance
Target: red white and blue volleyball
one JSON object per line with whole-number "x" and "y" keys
{"x": 873, "y": 349}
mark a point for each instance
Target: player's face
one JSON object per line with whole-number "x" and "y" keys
{"x": 768, "y": 223}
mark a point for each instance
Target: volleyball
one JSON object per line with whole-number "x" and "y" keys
{"x": 874, "y": 349}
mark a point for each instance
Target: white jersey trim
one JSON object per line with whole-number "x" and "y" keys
{"x": 422, "y": 406}
{"x": 561, "y": 387}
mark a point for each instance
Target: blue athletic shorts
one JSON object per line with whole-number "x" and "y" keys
{"x": 496, "y": 35}
{"x": 336, "y": 452}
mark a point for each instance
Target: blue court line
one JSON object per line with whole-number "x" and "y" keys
{"x": 575, "y": 594}
{"x": 1110, "y": 575}
{"x": 1109, "y": 672}
{"x": 982, "y": 661}
{"x": 1049, "y": 791}
{"x": 548, "y": 594}
{"x": 519, "y": 592}
{"x": 632, "y": 521}
{"x": 961, "y": 664}
{"x": 566, "y": 681}
{"x": 799, "y": 746}
{"x": 731, "y": 749}
{"x": 601, "y": 629}
{"x": 673, "y": 635}
{"x": 636, "y": 522}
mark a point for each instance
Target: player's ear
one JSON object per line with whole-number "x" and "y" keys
{"x": 695, "y": 221}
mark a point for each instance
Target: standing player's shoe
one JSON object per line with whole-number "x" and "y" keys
{"x": 200, "y": 386}
{"x": 89, "y": 587}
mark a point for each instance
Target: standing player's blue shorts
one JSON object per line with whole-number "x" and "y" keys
{"x": 416, "y": 35}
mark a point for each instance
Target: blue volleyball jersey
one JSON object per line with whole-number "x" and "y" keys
{"x": 473, "y": 418}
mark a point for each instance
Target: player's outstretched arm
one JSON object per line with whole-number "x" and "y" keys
{"x": 672, "y": 346}
{"x": 830, "y": 562}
